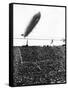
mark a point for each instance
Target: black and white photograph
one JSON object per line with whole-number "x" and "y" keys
{"x": 37, "y": 44}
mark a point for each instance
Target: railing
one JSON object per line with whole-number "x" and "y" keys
{"x": 36, "y": 40}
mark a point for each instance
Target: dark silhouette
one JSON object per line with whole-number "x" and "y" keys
{"x": 32, "y": 24}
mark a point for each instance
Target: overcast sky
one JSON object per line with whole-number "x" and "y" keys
{"x": 50, "y": 26}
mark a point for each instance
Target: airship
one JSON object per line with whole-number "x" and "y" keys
{"x": 35, "y": 19}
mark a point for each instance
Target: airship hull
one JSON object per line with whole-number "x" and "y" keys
{"x": 32, "y": 24}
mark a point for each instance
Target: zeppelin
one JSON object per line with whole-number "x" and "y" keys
{"x": 32, "y": 24}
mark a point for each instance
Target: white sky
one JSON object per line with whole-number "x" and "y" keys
{"x": 50, "y": 26}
